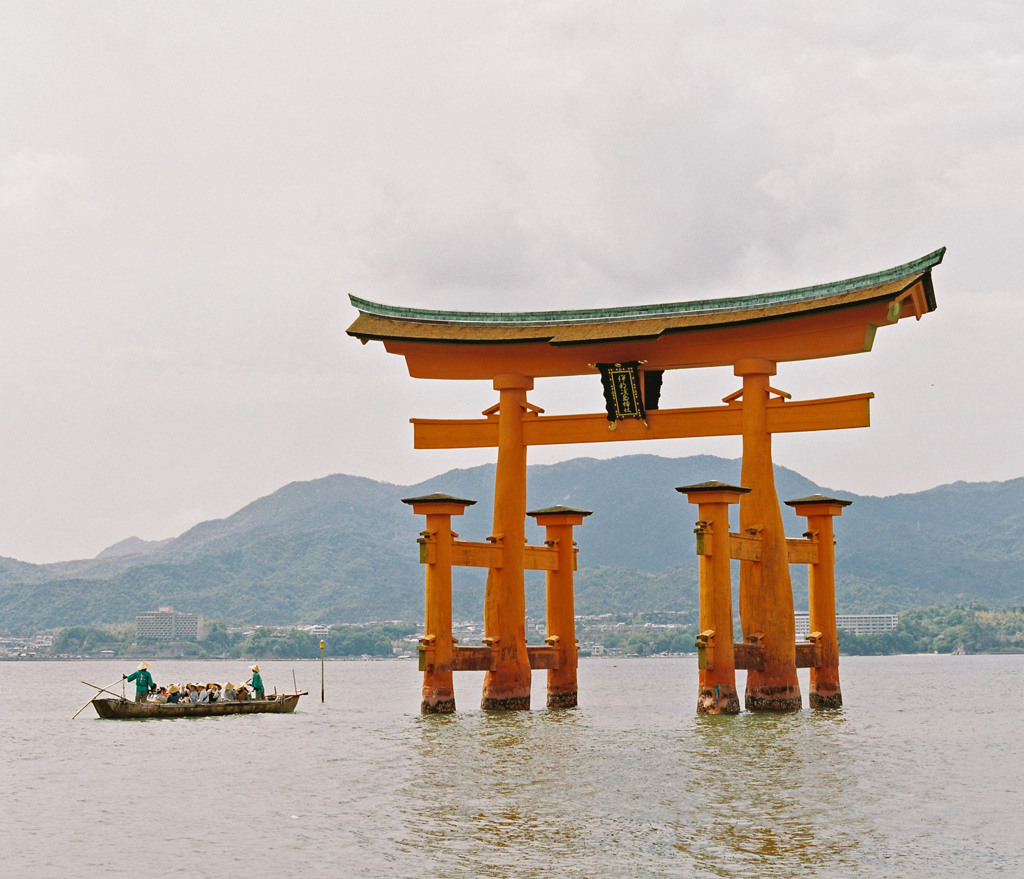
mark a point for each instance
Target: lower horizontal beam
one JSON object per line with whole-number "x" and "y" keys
{"x": 808, "y": 656}
{"x": 472, "y": 659}
{"x": 544, "y": 657}
{"x": 483, "y": 658}
{"x": 751, "y": 656}
{"x": 748, "y": 656}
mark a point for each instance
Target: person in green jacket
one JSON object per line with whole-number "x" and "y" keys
{"x": 257, "y": 682}
{"x": 143, "y": 681}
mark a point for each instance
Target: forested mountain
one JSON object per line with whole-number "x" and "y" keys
{"x": 343, "y": 549}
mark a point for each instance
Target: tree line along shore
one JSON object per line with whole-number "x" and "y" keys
{"x": 971, "y": 628}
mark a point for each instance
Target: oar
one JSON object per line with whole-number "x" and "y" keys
{"x": 104, "y": 690}
{"x": 87, "y": 704}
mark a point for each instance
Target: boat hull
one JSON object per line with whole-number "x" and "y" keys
{"x": 119, "y": 709}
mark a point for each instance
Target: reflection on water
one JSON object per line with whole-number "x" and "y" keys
{"x": 500, "y": 787}
{"x": 632, "y": 783}
{"x": 768, "y": 795}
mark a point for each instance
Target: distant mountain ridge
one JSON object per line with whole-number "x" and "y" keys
{"x": 132, "y": 546}
{"x": 343, "y": 549}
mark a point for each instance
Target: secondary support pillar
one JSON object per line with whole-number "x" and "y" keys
{"x": 507, "y": 683}
{"x": 558, "y": 523}
{"x": 437, "y": 644}
{"x": 821, "y": 584}
{"x": 766, "y": 592}
{"x": 716, "y": 693}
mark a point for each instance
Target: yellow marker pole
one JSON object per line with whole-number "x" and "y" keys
{"x": 321, "y": 671}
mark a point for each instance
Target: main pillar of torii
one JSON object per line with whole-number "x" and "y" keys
{"x": 631, "y": 347}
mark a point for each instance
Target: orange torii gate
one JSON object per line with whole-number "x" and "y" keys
{"x": 632, "y": 346}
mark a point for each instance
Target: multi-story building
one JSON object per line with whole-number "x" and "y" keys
{"x": 854, "y": 623}
{"x": 167, "y": 624}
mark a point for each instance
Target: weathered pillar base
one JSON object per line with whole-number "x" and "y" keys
{"x": 563, "y": 699}
{"x": 777, "y": 699}
{"x": 720, "y": 699}
{"x": 505, "y": 703}
{"x": 825, "y": 698}
{"x": 438, "y": 699}
{"x": 437, "y": 705}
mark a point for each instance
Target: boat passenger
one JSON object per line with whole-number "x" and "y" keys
{"x": 173, "y": 694}
{"x": 160, "y": 695}
{"x": 143, "y": 681}
{"x": 229, "y": 692}
{"x": 242, "y": 694}
{"x": 257, "y": 682}
{"x": 214, "y": 691}
{"x": 193, "y": 693}
{"x": 204, "y": 695}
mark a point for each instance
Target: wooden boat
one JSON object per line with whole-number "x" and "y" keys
{"x": 124, "y": 709}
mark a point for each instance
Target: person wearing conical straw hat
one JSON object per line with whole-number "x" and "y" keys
{"x": 143, "y": 681}
{"x": 257, "y": 682}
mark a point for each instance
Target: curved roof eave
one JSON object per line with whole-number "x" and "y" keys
{"x": 736, "y": 305}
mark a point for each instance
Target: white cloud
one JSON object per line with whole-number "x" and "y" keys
{"x": 41, "y": 188}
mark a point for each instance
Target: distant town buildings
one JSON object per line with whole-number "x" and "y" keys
{"x": 14, "y": 647}
{"x": 167, "y": 624}
{"x": 854, "y": 623}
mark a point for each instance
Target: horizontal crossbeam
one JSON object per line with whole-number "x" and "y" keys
{"x": 747, "y": 548}
{"x": 784, "y": 416}
{"x": 469, "y": 554}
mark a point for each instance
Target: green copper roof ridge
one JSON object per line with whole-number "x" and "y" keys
{"x": 640, "y": 312}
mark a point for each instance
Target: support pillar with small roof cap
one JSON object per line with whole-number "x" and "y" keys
{"x": 821, "y": 587}
{"x": 437, "y": 644}
{"x": 716, "y": 692}
{"x": 558, "y": 523}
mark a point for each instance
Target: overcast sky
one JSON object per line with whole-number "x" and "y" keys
{"x": 189, "y": 191}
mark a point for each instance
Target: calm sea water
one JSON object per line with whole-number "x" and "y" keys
{"x": 921, "y": 774}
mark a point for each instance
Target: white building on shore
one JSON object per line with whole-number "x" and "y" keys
{"x": 167, "y": 624}
{"x": 854, "y": 623}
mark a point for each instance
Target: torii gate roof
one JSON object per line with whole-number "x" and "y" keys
{"x": 821, "y": 321}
